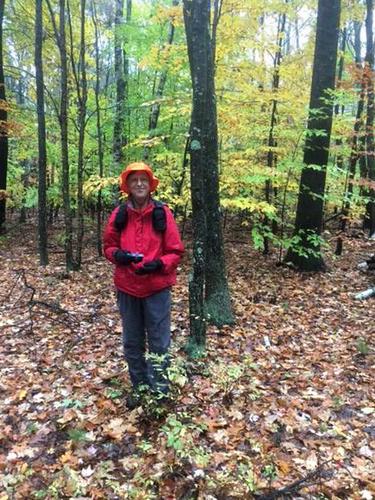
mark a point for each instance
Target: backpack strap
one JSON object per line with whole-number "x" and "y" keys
{"x": 159, "y": 218}
{"x": 121, "y": 218}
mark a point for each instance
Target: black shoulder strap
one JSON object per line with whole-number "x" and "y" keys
{"x": 159, "y": 218}
{"x": 121, "y": 218}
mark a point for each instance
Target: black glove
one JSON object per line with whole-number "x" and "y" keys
{"x": 150, "y": 267}
{"x": 125, "y": 257}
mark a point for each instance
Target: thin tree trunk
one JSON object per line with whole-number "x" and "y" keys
{"x": 358, "y": 124}
{"x": 99, "y": 132}
{"x": 63, "y": 119}
{"x": 155, "y": 108}
{"x": 272, "y": 142}
{"x": 64, "y": 143}
{"x": 306, "y": 255}
{"x": 119, "y": 140}
{"x": 42, "y": 151}
{"x": 218, "y": 4}
{"x": 3, "y": 129}
{"x": 370, "y": 149}
{"x": 81, "y": 88}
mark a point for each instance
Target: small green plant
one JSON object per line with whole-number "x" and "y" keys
{"x": 362, "y": 347}
{"x": 145, "y": 446}
{"x": 337, "y": 402}
{"x": 114, "y": 393}
{"x": 246, "y": 476}
{"x": 77, "y": 435}
{"x": 73, "y": 403}
{"x": 235, "y": 376}
{"x": 180, "y": 434}
{"x": 32, "y": 428}
{"x": 40, "y": 494}
{"x": 269, "y": 472}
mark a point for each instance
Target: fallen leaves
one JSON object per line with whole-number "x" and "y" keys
{"x": 279, "y": 393}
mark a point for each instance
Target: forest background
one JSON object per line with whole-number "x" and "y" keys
{"x": 116, "y": 87}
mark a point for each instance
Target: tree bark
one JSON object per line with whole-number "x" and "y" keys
{"x": 3, "y": 129}
{"x": 158, "y": 94}
{"x": 197, "y": 60}
{"x": 119, "y": 138}
{"x": 358, "y": 124}
{"x": 80, "y": 79}
{"x": 42, "y": 151}
{"x": 99, "y": 132}
{"x": 306, "y": 254}
{"x": 370, "y": 149}
{"x": 204, "y": 162}
{"x": 60, "y": 35}
{"x": 272, "y": 142}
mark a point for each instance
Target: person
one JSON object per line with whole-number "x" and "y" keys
{"x": 142, "y": 240}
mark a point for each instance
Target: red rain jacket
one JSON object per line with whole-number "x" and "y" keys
{"x": 140, "y": 236}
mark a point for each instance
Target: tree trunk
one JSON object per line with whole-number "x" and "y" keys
{"x": 204, "y": 161}
{"x": 370, "y": 150}
{"x": 99, "y": 133}
{"x": 42, "y": 152}
{"x": 354, "y": 155}
{"x": 119, "y": 140}
{"x": 82, "y": 101}
{"x": 272, "y": 143}
{"x": 155, "y": 108}
{"x": 197, "y": 59}
{"x": 3, "y": 128}
{"x": 63, "y": 119}
{"x": 218, "y": 4}
{"x": 306, "y": 254}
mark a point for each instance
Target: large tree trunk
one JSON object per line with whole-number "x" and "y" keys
{"x": 42, "y": 153}
{"x": 193, "y": 19}
{"x": 204, "y": 159}
{"x": 306, "y": 255}
{"x": 3, "y": 128}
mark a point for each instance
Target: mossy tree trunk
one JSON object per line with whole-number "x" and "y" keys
{"x": 204, "y": 151}
{"x": 195, "y": 13}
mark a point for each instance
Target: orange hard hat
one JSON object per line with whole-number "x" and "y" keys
{"x": 137, "y": 167}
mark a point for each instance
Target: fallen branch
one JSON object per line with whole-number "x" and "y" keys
{"x": 366, "y": 294}
{"x": 308, "y": 480}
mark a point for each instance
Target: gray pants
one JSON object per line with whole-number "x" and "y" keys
{"x": 147, "y": 320}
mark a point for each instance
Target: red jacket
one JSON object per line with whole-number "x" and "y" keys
{"x": 140, "y": 236}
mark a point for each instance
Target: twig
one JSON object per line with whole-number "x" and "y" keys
{"x": 295, "y": 486}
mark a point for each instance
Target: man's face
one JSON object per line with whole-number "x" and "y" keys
{"x": 138, "y": 184}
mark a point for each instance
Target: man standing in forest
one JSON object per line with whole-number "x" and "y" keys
{"x": 143, "y": 241}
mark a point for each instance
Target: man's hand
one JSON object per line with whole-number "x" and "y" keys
{"x": 125, "y": 257}
{"x": 150, "y": 267}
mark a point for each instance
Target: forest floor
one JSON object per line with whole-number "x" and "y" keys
{"x": 281, "y": 407}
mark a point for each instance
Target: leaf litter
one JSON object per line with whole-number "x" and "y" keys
{"x": 283, "y": 404}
